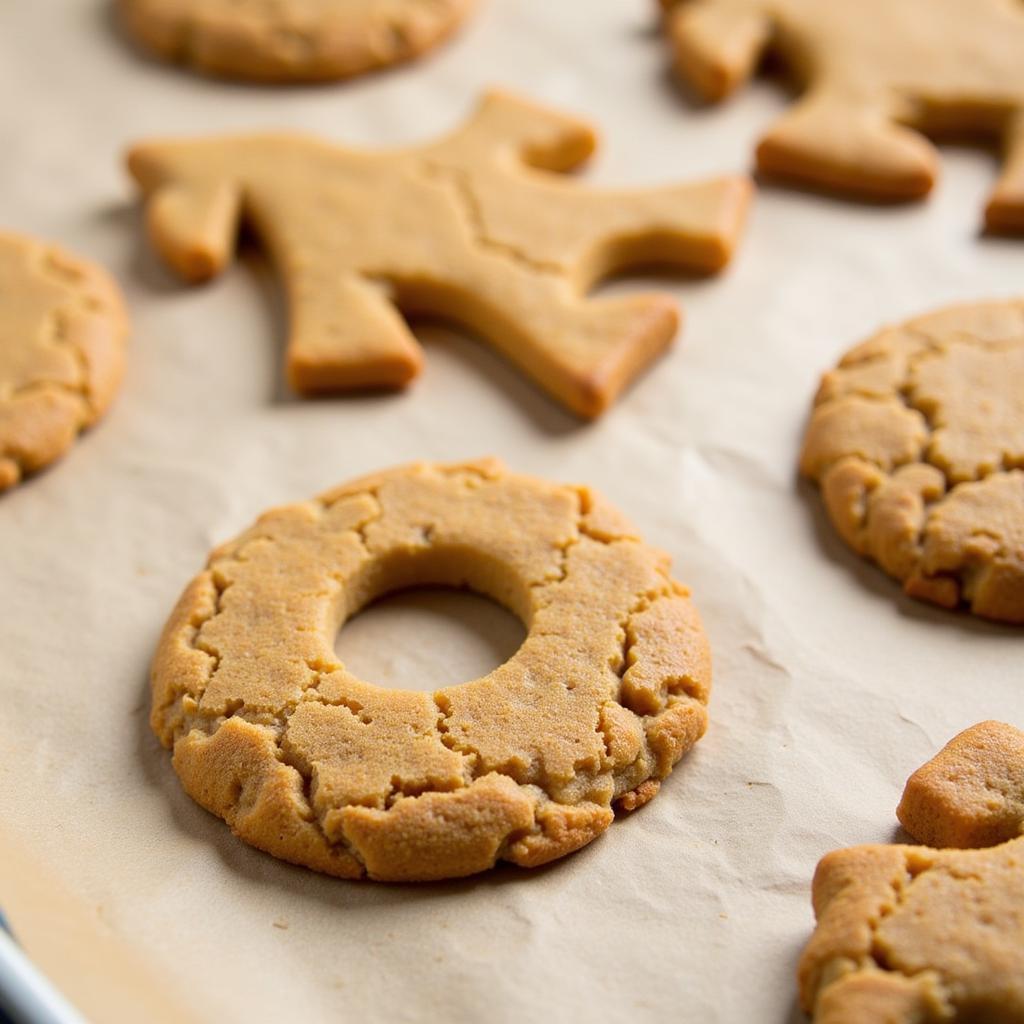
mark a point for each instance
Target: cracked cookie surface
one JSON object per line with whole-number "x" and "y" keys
{"x": 874, "y": 75}
{"x": 306, "y": 761}
{"x": 474, "y": 228}
{"x": 913, "y": 935}
{"x": 917, "y": 441}
{"x": 291, "y": 40}
{"x": 62, "y": 335}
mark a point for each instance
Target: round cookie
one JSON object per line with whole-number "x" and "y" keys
{"x": 62, "y": 335}
{"x": 917, "y": 441}
{"x": 308, "y": 762}
{"x": 291, "y": 40}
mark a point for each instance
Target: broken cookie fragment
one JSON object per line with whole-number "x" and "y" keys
{"x": 915, "y": 935}
{"x": 270, "y": 731}
{"x": 482, "y": 228}
{"x": 971, "y": 794}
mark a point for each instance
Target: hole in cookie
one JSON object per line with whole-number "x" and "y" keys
{"x": 428, "y": 637}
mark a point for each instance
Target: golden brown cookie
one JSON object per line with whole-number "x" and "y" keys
{"x": 304, "y": 760}
{"x": 473, "y": 228}
{"x": 912, "y": 935}
{"x": 971, "y": 794}
{"x": 291, "y": 40}
{"x": 917, "y": 441}
{"x": 62, "y": 335}
{"x": 874, "y": 74}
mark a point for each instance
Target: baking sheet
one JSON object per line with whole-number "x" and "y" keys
{"x": 830, "y": 688}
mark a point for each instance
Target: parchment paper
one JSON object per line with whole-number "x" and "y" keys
{"x": 830, "y": 687}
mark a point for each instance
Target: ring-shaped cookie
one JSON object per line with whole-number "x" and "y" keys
{"x": 318, "y": 767}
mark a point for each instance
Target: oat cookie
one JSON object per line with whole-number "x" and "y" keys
{"x": 62, "y": 334}
{"x": 874, "y": 74}
{"x": 917, "y": 441}
{"x": 913, "y": 935}
{"x": 291, "y": 40}
{"x": 305, "y": 761}
{"x": 474, "y": 228}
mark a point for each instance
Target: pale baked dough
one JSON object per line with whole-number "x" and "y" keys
{"x": 315, "y": 766}
{"x": 874, "y": 74}
{"x": 913, "y": 935}
{"x": 63, "y": 328}
{"x": 291, "y": 40}
{"x": 917, "y": 441}
{"x": 474, "y": 228}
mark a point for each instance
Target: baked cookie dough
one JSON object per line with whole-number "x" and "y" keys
{"x": 62, "y": 336}
{"x": 874, "y": 74}
{"x": 302, "y": 759}
{"x": 291, "y": 40}
{"x": 473, "y": 228}
{"x": 913, "y": 935}
{"x": 917, "y": 441}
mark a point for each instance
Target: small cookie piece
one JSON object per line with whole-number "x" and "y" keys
{"x": 304, "y": 760}
{"x": 473, "y": 228}
{"x": 971, "y": 794}
{"x": 917, "y": 441}
{"x": 291, "y": 40}
{"x": 62, "y": 335}
{"x": 912, "y": 935}
{"x": 874, "y": 75}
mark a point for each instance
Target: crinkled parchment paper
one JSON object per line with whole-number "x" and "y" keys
{"x": 830, "y": 687}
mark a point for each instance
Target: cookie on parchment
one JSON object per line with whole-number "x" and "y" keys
{"x": 291, "y": 40}
{"x": 474, "y": 228}
{"x": 875, "y": 74}
{"x": 917, "y": 441}
{"x": 915, "y": 935}
{"x": 271, "y": 732}
{"x": 63, "y": 328}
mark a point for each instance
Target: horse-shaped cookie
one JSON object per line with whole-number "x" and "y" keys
{"x": 874, "y": 74}
{"x": 915, "y": 935}
{"x": 474, "y": 228}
